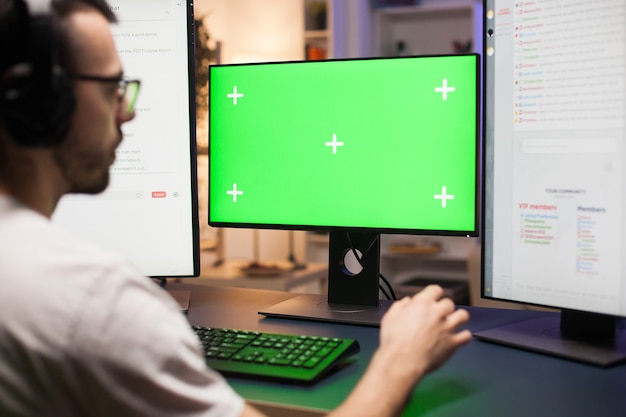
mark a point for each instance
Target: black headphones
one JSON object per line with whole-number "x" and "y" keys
{"x": 36, "y": 95}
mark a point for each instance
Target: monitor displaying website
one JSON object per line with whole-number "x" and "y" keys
{"x": 149, "y": 210}
{"x": 555, "y": 221}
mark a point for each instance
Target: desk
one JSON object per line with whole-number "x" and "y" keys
{"x": 481, "y": 379}
{"x": 229, "y": 274}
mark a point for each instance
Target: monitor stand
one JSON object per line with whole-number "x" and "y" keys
{"x": 315, "y": 307}
{"x": 583, "y": 337}
{"x": 353, "y": 279}
{"x": 182, "y": 297}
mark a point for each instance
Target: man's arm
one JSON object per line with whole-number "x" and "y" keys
{"x": 417, "y": 335}
{"x": 249, "y": 411}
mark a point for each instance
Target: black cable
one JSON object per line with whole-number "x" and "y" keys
{"x": 368, "y": 248}
{"x": 381, "y": 289}
{"x": 355, "y": 253}
{"x": 353, "y": 249}
{"x": 381, "y": 276}
{"x": 393, "y": 294}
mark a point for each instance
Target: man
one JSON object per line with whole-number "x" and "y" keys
{"x": 77, "y": 330}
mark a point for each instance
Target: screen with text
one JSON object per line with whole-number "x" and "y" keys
{"x": 556, "y": 185}
{"x": 149, "y": 210}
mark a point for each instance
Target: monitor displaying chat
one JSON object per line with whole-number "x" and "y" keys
{"x": 388, "y": 144}
{"x": 149, "y": 211}
{"x": 555, "y": 169}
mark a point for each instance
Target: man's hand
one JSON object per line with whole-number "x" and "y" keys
{"x": 421, "y": 332}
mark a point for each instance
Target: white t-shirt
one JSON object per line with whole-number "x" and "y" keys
{"x": 82, "y": 333}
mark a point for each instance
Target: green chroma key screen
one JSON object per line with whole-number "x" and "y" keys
{"x": 387, "y": 143}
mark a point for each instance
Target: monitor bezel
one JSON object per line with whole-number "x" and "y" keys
{"x": 193, "y": 145}
{"x": 474, "y": 232}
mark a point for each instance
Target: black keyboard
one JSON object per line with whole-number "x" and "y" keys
{"x": 282, "y": 357}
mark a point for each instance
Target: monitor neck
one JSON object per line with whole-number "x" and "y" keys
{"x": 352, "y": 280}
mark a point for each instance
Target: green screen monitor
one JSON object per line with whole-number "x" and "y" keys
{"x": 356, "y": 147}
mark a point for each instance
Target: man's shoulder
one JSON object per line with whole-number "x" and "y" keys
{"x": 68, "y": 291}
{"x": 32, "y": 244}
{"x": 55, "y": 272}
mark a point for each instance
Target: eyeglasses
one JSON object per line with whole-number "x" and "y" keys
{"x": 128, "y": 90}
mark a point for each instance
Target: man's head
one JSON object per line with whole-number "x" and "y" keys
{"x": 60, "y": 104}
{"x": 36, "y": 95}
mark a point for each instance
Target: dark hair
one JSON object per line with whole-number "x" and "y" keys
{"x": 12, "y": 29}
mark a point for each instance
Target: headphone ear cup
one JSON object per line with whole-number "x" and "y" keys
{"x": 37, "y": 114}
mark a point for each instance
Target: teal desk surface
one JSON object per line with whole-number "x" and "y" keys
{"x": 481, "y": 379}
